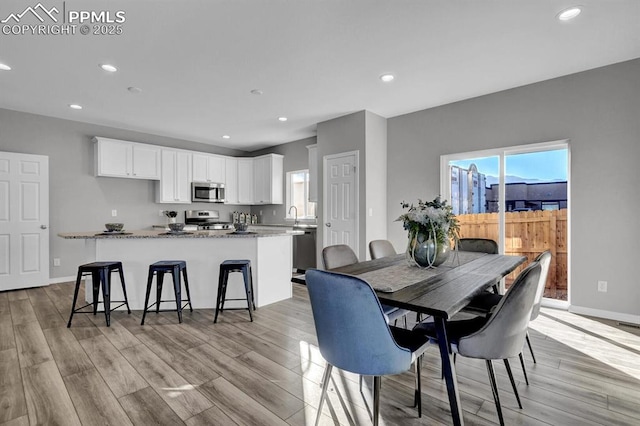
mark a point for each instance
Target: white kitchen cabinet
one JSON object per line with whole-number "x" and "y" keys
{"x": 231, "y": 181}
{"x": 313, "y": 172}
{"x": 208, "y": 168}
{"x": 116, "y": 158}
{"x": 175, "y": 179}
{"x": 268, "y": 179}
{"x": 245, "y": 181}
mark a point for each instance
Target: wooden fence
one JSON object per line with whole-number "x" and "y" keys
{"x": 527, "y": 234}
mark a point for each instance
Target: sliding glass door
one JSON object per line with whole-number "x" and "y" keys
{"x": 518, "y": 197}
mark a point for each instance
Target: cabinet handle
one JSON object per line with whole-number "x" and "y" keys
{"x": 328, "y": 224}
{"x": 43, "y": 226}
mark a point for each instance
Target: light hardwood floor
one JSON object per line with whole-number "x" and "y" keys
{"x": 268, "y": 372}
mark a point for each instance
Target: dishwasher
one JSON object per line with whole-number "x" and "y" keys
{"x": 304, "y": 248}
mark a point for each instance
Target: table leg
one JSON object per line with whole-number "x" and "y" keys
{"x": 449, "y": 371}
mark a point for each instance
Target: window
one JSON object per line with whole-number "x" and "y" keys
{"x": 298, "y": 195}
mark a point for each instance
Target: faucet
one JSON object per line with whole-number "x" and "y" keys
{"x": 295, "y": 222}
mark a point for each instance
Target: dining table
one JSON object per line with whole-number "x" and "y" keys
{"x": 439, "y": 292}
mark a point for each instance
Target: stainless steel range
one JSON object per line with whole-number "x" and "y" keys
{"x": 206, "y": 220}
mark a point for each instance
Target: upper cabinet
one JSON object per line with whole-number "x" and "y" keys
{"x": 175, "y": 180}
{"x": 313, "y": 172}
{"x": 231, "y": 181}
{"x": 115, "y": 158}
{"x": 268, "y": 179}
{"x": 245, "y": 181}
{"x": 209, "y": 168}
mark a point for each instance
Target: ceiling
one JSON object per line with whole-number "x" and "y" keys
{"x": 197, "y": 61}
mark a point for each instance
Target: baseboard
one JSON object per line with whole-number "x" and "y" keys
{"x": 555, "y": 304}
{"x": 61, "y": 280}
{"x": 599, "y": 313}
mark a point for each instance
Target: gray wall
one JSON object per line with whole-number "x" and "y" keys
{"x": 598, "y": 111}
{"x": 296, "y": 157}
{"x": 343, "y": 134}
{"x": 78, "y": 200}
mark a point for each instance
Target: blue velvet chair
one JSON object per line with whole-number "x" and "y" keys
{"x": 353, "y": 334}
{"x": 498, "y": 336}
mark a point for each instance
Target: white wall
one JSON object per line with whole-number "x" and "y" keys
{"x": 599, "y": 112}
{"x": 375, "y": 211}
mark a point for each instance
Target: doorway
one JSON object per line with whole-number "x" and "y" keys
{"x": 519, "y": 197}
{"x": 24, "y": 220}
{"x": 340, "y": 195}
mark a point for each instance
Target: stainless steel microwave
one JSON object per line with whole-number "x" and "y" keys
{"x": 207, "y": 192}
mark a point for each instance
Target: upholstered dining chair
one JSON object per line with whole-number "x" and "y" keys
{"x": 498, "y": 336}
{"x": 384, "y": 248}
{"x": 480, "y": 245}
{"x": 381, "y": 248}
{"x": 353, "y": 334}
{"x": 342, "y": 255}
{"x": 485, "y": 302}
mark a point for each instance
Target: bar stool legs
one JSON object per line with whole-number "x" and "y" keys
{"x": 159, "y": 269}
{"x": 101, "y": 279}
{"x": 243, "y": 266}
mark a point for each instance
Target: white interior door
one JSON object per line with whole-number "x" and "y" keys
{"x": 24, "y": 220}
{"x": 341, "y": 199}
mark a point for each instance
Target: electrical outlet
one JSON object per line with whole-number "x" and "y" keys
{"x": 260, "y": 212}
{"x": 602, "y": 286}
{"x": 160, "y": 213}
{"x": 274, "y": 212}
{"x": 56, "y": 261}
{"x": 114, "y": 213}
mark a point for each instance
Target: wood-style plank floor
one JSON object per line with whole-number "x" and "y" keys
{"x": 268, "y": 372}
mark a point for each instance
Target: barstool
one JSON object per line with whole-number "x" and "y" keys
{"x": 159, "y": 269}
{"x": 100, "y": 277}
{"x": 226, "y": 267}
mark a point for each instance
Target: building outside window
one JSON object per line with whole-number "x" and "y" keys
{"x": 298, "y": 195}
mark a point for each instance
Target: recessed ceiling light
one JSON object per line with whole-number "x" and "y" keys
{"x": 387, "y": 77}
{"x": 282, "y": 118}
{"x": 226, "y": 137}
{"x": 134, "y": 89}
{"x": 4, "y": 67}
{"x": 75, "y": 106}
{"x": 569, "y": 13}
{"x": 108, "y": 68}
{"x": 257, "y": 92}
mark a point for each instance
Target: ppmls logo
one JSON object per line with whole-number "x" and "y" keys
{"x": 40, "y": 20}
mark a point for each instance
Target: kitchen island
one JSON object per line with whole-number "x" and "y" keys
{"x": 270, "y": 253}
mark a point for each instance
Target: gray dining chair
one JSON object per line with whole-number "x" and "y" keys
{"x": 498, "y": 336}
{"x": 485, "y": 302}
{"x": 480, "y": 245}
{"x": 353, "y": 334}
{"x": 381, "y": 248}
{"x": 342, "y": 255}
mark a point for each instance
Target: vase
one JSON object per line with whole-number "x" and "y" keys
{"x": 173, "y": 220}
{"x": 425, "y": 251}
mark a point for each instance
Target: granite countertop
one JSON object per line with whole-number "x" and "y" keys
{"x": 164, "y": 234}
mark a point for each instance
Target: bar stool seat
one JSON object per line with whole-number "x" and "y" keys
{"x": 159, "y": 269}
{"x": 226, "y": 267}
{"x": 101, "y": 279}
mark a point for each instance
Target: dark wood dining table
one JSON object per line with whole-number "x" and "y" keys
{"x": 440, "y": 292}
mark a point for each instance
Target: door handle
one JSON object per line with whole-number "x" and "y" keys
{"x": 43, "y": 226}
{"x": 328, "y": 224}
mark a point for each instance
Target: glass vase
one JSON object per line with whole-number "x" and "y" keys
{"x": 425, "y": 251}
